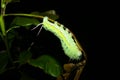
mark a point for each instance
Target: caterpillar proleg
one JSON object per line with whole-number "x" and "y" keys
{"x": 68, "y": 41}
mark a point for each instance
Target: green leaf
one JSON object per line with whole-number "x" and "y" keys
{"x": 23, "y": 21}
{"x": 48, "y": 64}
{"x": 24, "y": 57}
{"x": 51, "y": 14}
{"x": 3, "y": 61}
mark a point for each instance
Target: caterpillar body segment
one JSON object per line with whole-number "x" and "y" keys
{"x": 70, "y": 46}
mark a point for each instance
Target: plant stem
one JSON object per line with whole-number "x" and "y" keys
{"x": 3, "y": 7}
{"x": 28, "y": 15}
{"x": 2, "y": 25}
{"x": 7, "y": 48}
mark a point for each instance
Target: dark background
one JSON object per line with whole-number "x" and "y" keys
{"x": 78, "y": 16}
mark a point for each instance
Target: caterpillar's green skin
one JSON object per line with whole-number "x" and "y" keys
{"x": 68, "y": 44}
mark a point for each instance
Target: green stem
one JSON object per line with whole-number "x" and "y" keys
{"x": 27, "y": 15}
{"x": 7, "y": 48}
{"x": 3, "y": 7}
{"x": 2, "y": 25}
{"x": 22, "y": 14}
{"x": 3, "y": 31}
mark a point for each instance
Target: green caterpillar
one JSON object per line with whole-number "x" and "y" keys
{"x": 68, "y": 41}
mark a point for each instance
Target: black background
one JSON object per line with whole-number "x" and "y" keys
{"x": 78, "y": 16}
